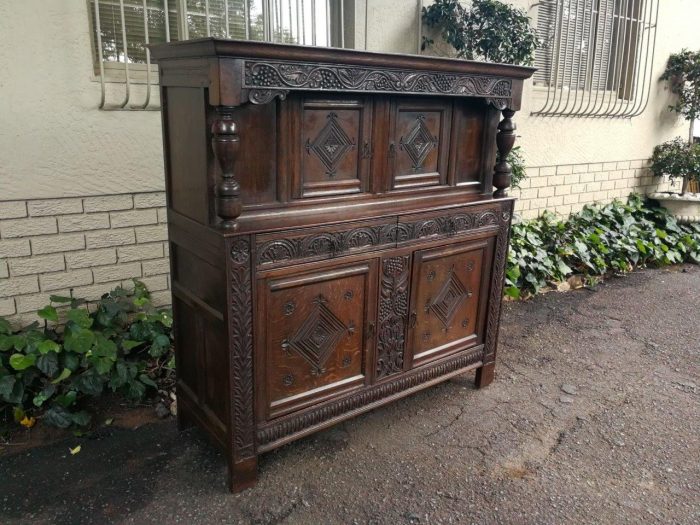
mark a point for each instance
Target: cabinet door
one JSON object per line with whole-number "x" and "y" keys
{"x": 316, "y": 331}
{"x": 334, "y": 147}
{"x": 419, "y": 147}
{"x": 448, "y": 299}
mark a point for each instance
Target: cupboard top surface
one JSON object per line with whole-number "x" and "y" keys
{"x": 213, "y": 47}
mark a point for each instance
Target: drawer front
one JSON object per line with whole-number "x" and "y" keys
{"x": 327, "y": 242}
{"x": 447, "y": 223}
{"x": 449, "y": 291}
{"x": 315, "y": 330}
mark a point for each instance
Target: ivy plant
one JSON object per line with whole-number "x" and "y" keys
{"x": 488, "y": 30}
{"x": 599, "y": 240}
{"x": 82, "y": 350}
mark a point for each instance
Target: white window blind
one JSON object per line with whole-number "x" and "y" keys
{"x": 596, "y": 56}
{"x": 122, "y": 29}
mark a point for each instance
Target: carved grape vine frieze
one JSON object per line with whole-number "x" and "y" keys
{"x": 393, "y": 315}
{"x": 275, "y": 78}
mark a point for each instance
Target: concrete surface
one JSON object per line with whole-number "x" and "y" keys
{"x": 593, "y": 418}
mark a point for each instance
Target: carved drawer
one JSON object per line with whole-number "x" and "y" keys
{"x": 317, "y": 328}
{"x": 326, "y": 242}
{"x": 447, "y": 223}
{"x": 449, "y": 291}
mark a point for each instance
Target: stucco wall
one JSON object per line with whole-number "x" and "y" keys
{"x": 54, "y": 142}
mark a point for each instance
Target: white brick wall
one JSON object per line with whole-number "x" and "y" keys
{"x": 566, "y": 189}
{"x": 89, "y": 245}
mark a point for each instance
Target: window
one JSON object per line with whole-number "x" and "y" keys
{"x": 596, "y": 56}
{"x": 122, "y": 29}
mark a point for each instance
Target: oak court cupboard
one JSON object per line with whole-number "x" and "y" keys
{"x": 336, "y": 242}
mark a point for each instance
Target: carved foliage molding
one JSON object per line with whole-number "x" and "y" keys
{"x": 447, "y": 225}
{"x": 241, "y": 344}
{"x": 393, "y": 315}
{"x": 332, "y": 244}
{"x": 327, "y": 244}
{"x": 496, "y": 295}
{"x": 275, "y": 78}
{"x": 296, "y": 423}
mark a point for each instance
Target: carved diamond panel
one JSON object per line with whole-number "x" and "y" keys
{"x": 331, "y": 144}
{"x": 447, "y": 302}
{"x": 318, "y": 335}
{"x": 419, "y": 143}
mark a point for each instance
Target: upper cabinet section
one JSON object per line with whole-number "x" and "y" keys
{"x": 263, "y": 136}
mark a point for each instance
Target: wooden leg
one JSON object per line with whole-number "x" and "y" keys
{"x": 484, "y": 375}
{"x": 183, "y": 420}
{"x": 243, "y": 474}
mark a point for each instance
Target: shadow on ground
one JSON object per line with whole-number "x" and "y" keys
{"x": 622, "y": 446}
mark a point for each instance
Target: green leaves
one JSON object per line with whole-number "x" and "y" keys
{"x": 22, "y": 361}
{"x": 489, "y": 30}
{"x": 49, "y": 313}
{"x": 113, "y": 342}
{"x": 598, "y": 240}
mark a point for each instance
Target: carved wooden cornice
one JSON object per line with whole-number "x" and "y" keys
{"x": 269, "y": 79}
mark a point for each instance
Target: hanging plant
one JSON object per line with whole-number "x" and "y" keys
{"x": 489, "y": 30}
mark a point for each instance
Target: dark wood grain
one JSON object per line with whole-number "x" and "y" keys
{"x": 334, "y": 236}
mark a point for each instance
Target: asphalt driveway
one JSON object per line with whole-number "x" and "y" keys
{"x": 594, "y": 417}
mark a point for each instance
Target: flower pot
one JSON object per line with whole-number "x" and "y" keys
{"x": 685, "y": 208}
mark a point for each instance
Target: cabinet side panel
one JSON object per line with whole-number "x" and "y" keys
{"x": 467, "y": 133}
{"x": 256, "y": 164}
{"x": 187, "y": 152}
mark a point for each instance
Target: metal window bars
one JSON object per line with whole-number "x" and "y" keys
{"x": 124, "y": 28}
{"x": 597, "y": 57}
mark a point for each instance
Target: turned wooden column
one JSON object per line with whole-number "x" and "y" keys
{"x": 504, "y": 142}
{"x": 225, "y": 143}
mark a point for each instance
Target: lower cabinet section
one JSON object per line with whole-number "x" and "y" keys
{"x": 317, "y": 329}
{"x": 328, "y": 328}
{"x": 447, "y": 310}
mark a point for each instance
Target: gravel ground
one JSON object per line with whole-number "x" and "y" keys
{"x": 594, "y": 417}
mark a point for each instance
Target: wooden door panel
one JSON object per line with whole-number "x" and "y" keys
{"x": 334, "y": 159}
{"x": 449, "y": 289}
{"x": 419, "y": 142}
{"x": 315, "y": 325}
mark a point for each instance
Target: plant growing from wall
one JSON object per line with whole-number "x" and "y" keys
{"x": 488, "y": 30}
{"x": 683, "y": 74}
{"x": 120, "y": 343}
{"x": 517, "y": 165}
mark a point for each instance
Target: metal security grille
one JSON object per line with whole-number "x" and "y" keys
{"x": 123, "y": 29}
{"x": 597, "y": 56}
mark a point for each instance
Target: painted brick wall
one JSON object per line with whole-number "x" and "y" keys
{"x": 565, "y": 189}
{"x": 89, "y": 245}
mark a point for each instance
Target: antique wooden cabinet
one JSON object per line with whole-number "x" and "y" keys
{"x": 335, "y": 239}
